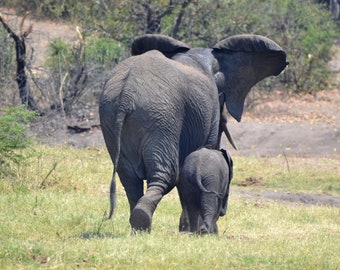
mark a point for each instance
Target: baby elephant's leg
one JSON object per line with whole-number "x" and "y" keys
{"x": 209, "y": 208}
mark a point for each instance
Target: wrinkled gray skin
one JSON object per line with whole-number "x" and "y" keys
{"x": 203, "y": 188}
{"x": 165, "y": 102}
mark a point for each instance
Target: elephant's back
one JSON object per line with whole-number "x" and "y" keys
{"x": 152, "y": 75}
{"x": 205, "y": 161}
{"x": 164, "y": 90}
{"x": 158, "y": 74}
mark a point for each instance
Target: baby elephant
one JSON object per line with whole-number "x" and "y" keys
{"x": 203, "y": 188}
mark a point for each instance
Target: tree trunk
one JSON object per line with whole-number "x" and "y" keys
{"x": 21, "y": 77}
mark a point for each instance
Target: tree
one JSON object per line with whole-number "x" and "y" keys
{"x": 20, "y": 47}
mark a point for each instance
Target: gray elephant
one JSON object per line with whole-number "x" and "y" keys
{"x": 165, "y": 101}
{"x": 203, "y": 187}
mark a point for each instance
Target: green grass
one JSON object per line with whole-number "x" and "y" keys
{"x": 316, "y": 175}
{"x": 52, "y": 213}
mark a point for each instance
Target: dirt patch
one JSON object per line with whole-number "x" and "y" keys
{"x": 250, "y": 181}
{"x": 290, "y": 198}
{"x": 280, "y": 107}
{"x": 295, "y": 126}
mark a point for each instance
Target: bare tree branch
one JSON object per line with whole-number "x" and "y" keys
{"x": 20, "y": 48}
{"x": 151, "y": 16}
{"x": 78, "y": 78}
{"x": 179, "y": 17}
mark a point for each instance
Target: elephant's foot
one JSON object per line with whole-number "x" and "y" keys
{"x": 203, "y": 230}
{"x": 184, "y": 222}
{"x": 141, "y": 216}
{"x": 140, "y": 220}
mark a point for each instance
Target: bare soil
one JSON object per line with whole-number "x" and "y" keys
{"x": 305, "y": 126}
{"x": 260, "y": 196}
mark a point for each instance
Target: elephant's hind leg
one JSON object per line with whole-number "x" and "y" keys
{"x": 209, "y": 210}
{"x": 161, "y": 174}
{"x": 141, "y": 216}
{"x": 133, "y": 185}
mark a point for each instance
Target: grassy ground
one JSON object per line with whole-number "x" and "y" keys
{"x": 52, "y": 215}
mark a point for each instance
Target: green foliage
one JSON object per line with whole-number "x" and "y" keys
{"x": 60, "y": 54}
{"x": 13, "y": 135}
{"x": 307, "y": 34}
{"x": 98, "y": 51}
{"x": 103, "y": 51}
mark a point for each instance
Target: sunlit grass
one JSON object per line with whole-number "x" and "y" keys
{"x": 316, "y": 175}
{"x": 53, "y": 217}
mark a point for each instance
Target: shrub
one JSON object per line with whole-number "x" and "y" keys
{"x": 307, "y": 35}
{"x": 103, "y": 51}
{"x": 78, "y": 69}
{"x": 13, "y": 135}
{"x": 59, "y": 54}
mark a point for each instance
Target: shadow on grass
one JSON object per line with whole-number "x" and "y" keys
{"x": 98, "y": 235}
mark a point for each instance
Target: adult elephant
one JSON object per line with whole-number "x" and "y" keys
{"x": 165, "y": 101}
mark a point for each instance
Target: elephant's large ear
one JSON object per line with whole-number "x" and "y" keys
{"x": 244, "y": 60}
{"x": 167, "y": 45}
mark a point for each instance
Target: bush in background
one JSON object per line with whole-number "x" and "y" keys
{"x": 13, "y": 135}
{"x": 103, "y": 51}
{"x": 307, "y": 33}
{"x": 77, "y": 71}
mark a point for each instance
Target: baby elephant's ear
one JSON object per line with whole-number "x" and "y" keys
{"x": 167, "y": 45}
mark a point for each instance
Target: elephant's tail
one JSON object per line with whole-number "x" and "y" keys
{"x": 116, "y": 131}
{"x": 203, "y": 189}
{"x": 113, "y": 115}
